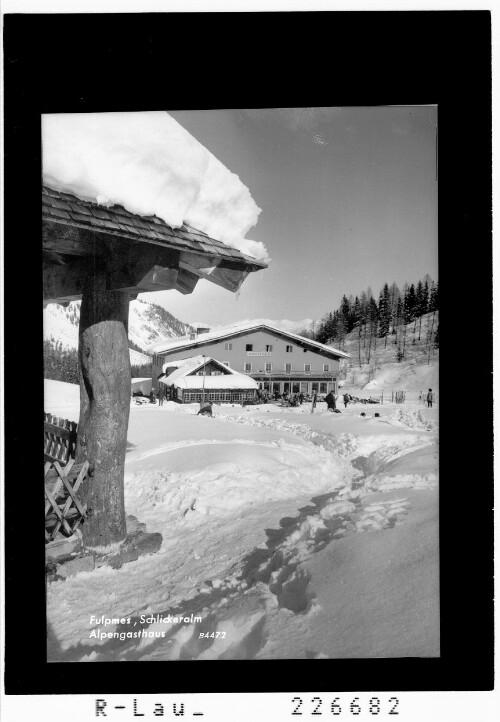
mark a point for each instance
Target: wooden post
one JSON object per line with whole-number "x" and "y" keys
{"x": 313, "y": 402}
{"x": 105, "y": 380}
{"x": 204, "y": 375}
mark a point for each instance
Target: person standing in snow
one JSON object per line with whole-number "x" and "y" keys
{"x": 347, "y": 398}
{"x": 430, "y": 399}
{"x": 161, "y": 395}
{"x": 205, "y": 409}
{"x": 330, "y": 401}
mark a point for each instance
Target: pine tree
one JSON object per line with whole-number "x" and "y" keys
{"x": 384, "y": 313}
{"x": 352, "y": 316}
{"x": 395, "y": 295}
{"x": 335, "y": 325}
{"x": 434, "y": 298}
{"x": 434, "y": 307}
{"x": 421, "y": 305}
{"x": 373, "y": 316}
{"x": 357, "y": 323}
{"x": 341, "y": 331}
{"x": 409, "y": 304}
{"x": 399, "y": 322}
{"x": 419, "y": 299}
{"x": 324, "y": 332}
{"x": 345, "y": 312}
{"x": 365, "y": 312}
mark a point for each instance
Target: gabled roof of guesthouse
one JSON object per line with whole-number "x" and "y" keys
{"x": 185, "y": 375}
{"x": 192, "y": 364}
{"x": 205, "y": 339}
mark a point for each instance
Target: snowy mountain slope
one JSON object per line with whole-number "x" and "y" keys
{"x": 148, "y": 323}
{"x": 379, "y": 368}
{"x": 137, "y": 358}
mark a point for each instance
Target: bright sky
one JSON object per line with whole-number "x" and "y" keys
{"x": 348, "y": 199}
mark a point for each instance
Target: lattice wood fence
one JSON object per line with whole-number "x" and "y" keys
{"x": 64, "y": 511}
{"x": 59, "y": 439}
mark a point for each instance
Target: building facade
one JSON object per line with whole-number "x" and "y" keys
{"x": 202, "y": 378}
{"x": 277, "y": 360}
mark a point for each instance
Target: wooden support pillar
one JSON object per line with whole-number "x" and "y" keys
{"x": 105, "y": 379}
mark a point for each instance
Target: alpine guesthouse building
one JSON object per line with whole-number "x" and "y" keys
{"x": 277, "y": 360}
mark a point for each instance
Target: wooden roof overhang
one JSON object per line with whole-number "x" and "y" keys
{"x": 137, "y": 253}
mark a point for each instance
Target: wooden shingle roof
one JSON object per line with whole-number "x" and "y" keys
{"x": 132, "y": 253}
{"x": 59, "y": 207}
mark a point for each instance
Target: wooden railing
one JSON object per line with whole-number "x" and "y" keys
{"x": 64, "y": 511}
{"x": 59, "y": 439}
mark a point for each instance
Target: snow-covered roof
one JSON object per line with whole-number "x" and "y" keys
{"x": 149, "y": 164}
{"x": 185, "y": 377}
{"x": 59, "y": 207}
{"x": 191, "y": 362}
{"x": 143, "y": 385}
{"x": 234, "y": 330}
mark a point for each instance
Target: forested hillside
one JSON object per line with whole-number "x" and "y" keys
{"x": 382, "y": 321}
{"x": 392, "y": 338}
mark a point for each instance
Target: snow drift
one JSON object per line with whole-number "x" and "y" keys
{"x": 150, "y": 164}
{"x": 274, "y": 533}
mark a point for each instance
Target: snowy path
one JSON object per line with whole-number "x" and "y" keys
{"x": 258, "y": 510}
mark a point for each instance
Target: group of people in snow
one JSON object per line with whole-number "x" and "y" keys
{"x": 294, "y": 399}
{"x": 331, "y": 401}
{"x": 427, "y": 398}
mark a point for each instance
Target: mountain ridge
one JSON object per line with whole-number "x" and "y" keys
{"x": 148, "y": 323}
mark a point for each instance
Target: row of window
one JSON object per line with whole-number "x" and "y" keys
{"x": 288, "y": 367}
{"x": 249, "y": 347}
{"x": 158, "y": 360}
{"x": 221, "y": 396}
{"x": 296, "y": 387}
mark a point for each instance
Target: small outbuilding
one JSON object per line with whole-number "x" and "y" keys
{"x": 141, "y": 386}
{"x": 203, "y": 378}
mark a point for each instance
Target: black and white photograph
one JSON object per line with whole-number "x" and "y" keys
{"x": 262, "y": 356}
{"x": 241, "y": 394}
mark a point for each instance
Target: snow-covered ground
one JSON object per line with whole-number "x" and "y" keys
{"x": 290, "y": 534}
